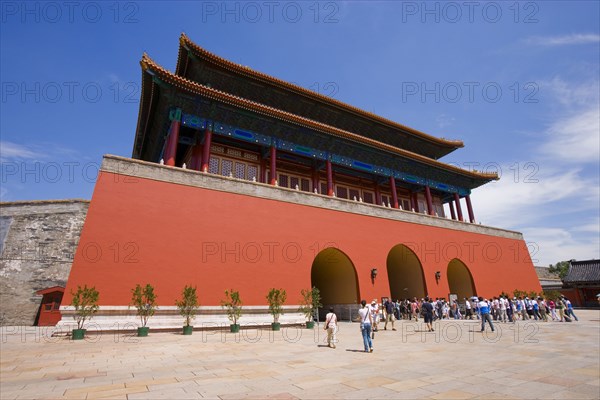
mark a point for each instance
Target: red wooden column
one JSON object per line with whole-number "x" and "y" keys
{"x": 206, "y": 149}
{"x": 470, "y": 209}
{"x": 458, "y": 209}
{"x": 172, "y": 139}
{"x": 428, "y": 198}
{"x": 414, "y": 199}
{"x": 263, "y": 171}
{"x": 377, "y": 194}
{"x": 329, "y": 178}
{"x": 452, "y": 213}
{"x": 273, "y": 165}
{"x": 196, "y": 162}
{"x": 394, "y": 193}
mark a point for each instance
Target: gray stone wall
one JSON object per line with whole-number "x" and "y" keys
{"x": 37, "y": 243}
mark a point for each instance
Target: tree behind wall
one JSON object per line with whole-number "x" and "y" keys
{"x": 561, "y": 268}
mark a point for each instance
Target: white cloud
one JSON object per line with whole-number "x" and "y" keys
{"x": 565, "y": 40}
{"x": 10, "y": 151}
{"x": 571, "y": 94}
{"x": 575, "y": 138}
{"x": 550, "y": 245}
{"x": 554, "y": 202}
{"x": 592, "y": 227}
{"x": 515, "y": 203}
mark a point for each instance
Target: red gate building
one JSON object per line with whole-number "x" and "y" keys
{"x": 239, "y": 180}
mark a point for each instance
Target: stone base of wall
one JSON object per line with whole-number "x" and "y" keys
{"x": 123, "y": 318}
{"x": 344, "y": 312}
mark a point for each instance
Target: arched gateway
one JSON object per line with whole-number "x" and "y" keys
{"x": 333, "y": 273}
{"x": 405, "y": 273}
{"x": 460, "y": 280}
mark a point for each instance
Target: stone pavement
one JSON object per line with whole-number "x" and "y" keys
{"x": 523, "y": 361}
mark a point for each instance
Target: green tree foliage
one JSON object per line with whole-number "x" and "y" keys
{"x": 311, "y": 300}
{"x": 85, "y": 301}
{"x": 233, "y": 304}
{"x": 144, "y": 300}
{"x": 551, "y": 294}
{"x": 188, "y": 305}
{"x": 276, "y": 298}
{"x": 561, "y": 268}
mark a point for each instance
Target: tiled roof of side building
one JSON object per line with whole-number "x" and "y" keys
{"x": 184, "y": 84}
{"x": 587, "y": 271}
{"x": 243, "y": 70}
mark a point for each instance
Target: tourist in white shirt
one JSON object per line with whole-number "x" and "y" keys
{"x": 375, "y": 314}
{"x": 502, "y": 303}
{"x": 366, "y": 320}
{"x": 468, "y": 310}
{"x": 331, "y": 328}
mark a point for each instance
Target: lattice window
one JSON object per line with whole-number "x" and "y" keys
{"x": 368, "y": 197}
{"x": 240, "y": 170}
{"x": 342, "y": 192}
{"x": 213, "y": 167}
{"x": 251, "y": 156}
{"x": 226, "y": 167}
{"x": 252, "y": 172}
{"x": 323, "y": 188}
{"x": 234, "y": 152}
{"x": 405, "y": 204}
{"x": 283, "y": 180}
{"x": 385, "y": 200}
{"x": 305, "y": 185}
{"x": 217, "y": 149}
{"x": 294, "y": 181}
{"x": 354, "y": 194}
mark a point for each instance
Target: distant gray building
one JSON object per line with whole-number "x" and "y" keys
{"x": 583, "y": 280}
{"x": 548, "y": 280}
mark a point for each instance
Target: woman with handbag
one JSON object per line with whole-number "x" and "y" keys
{"x": 331, "y": 328}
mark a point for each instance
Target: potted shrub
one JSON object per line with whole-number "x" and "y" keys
{"x": 144, "y": 300}
{"x": 276, "y": 298}
{"x": 233, "y": 305}
{"x": 188, "y": 305}
{"x": 85, "y": 301}
{"x": 311, "y": 301}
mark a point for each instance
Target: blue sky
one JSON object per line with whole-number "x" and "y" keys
{"x": 518, "y": 82}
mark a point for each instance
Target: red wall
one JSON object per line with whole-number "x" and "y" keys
{"x": 144, "y": 231}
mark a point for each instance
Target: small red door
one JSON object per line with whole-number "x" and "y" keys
{"x": 50, "y": 307}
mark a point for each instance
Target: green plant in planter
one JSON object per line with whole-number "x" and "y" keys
{"x": 276, "y": 298}
{"x": 233, "y": 305}
{"x": 85, "y": 302}
{"x": 188, "y": 306}
{"x": 311, "y": 301}
{"x": 144, "y": 300}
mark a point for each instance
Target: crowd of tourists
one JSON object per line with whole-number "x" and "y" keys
{"x": 499, "y": 309}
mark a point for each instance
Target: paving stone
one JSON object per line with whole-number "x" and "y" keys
{"x": 171, "y": 366}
